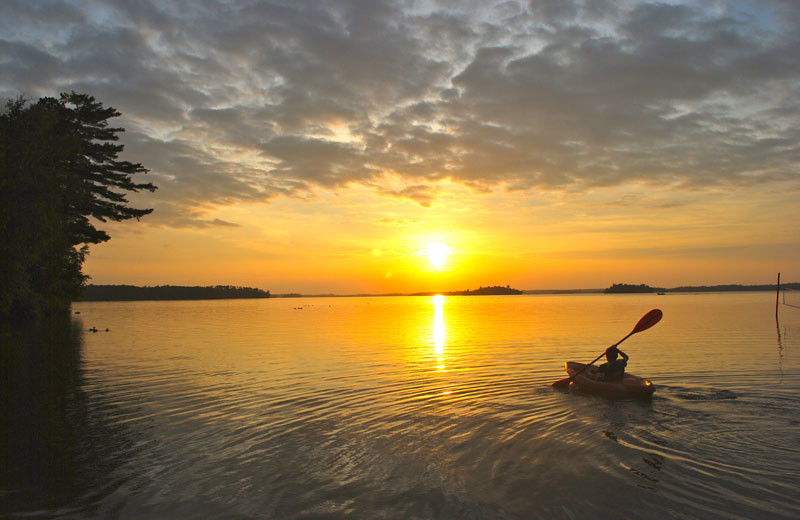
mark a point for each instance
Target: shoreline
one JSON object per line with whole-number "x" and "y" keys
{"x": 534, "y": 292}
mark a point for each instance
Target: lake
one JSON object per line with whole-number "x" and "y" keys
{"x": 405, "y": 407}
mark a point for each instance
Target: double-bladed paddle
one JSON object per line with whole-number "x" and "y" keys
{"x": 647, "y": 321}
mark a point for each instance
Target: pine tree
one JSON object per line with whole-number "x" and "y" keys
{"x": 58, "y": 169}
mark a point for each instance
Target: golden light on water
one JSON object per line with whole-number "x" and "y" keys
{"x": 439, "y": 335}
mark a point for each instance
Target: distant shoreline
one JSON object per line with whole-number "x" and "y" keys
{"x": 105, "y": 293}
{"x": 95, "y": 293}
{"x": 678, "y": 290}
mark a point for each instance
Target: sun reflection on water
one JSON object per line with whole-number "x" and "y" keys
{"x": 439, "y": 335}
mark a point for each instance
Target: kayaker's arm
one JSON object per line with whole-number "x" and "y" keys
{"x": 624, "y": 355}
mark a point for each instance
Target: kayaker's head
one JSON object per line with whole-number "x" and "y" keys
{"x": 611, "y": 354}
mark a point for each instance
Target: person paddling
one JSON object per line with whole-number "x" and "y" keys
{"x": 613, "y": 369}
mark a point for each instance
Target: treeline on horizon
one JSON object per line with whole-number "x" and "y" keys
{"x": 176, "y": 292}
{"x": 734, "y": 287}
{"x": 622, "y": 288}
{"x": 630, "y": 288}
{"x": 169, "y": 292}
{"x": 58, "y": 169}
{"x": 481, "y": 291}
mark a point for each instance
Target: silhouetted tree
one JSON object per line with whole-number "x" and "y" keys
{"x": 169, "y": 292}
{"x": 58, "y": 168}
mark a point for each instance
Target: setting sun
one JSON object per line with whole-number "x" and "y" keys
{"x": 437, "y": 254}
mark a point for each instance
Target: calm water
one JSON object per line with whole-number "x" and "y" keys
{"x": 414, "y": 407}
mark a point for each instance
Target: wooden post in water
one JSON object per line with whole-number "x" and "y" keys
{"x": 777, "y": 296}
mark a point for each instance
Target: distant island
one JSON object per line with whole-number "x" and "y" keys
{"x": 485, "y": 291}
{"x": 795, "y": 286}
{"x": 95, "y": 293}
{"x": 481, "y": 291}
{"x": 620, "y": 288}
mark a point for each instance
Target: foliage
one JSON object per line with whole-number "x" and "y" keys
{"x": 734, "y": 288}
{"x": 642, "y": 288}
{"x": 169, "y": 292}
{"x": 58, "y": 169}
{"x": 628, "y": 288}
{"x": 493, "y": 290}
{"x": 481, "y": 291}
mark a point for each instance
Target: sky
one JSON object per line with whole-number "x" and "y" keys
{"x": 329, "y": 146}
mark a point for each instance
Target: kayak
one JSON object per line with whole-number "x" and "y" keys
{"x": 629, "y": 386}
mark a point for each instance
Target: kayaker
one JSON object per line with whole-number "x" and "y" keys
{"x": 613, "y": 369}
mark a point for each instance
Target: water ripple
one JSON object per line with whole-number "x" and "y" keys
{"x": 263, "y": 412}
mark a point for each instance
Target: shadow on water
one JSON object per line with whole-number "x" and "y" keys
{"x": 48, "y": 432}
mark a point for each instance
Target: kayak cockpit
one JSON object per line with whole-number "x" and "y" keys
{"x": 630, "y": 386}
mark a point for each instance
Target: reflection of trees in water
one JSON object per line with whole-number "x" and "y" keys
{"x": 55, "y": 446}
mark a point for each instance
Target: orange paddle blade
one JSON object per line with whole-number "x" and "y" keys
{"x": 648, "y": 320}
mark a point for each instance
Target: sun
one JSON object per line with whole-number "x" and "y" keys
{"x": 437, "y": 254}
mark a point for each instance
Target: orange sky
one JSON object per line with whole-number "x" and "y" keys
{"x": 355, "y": 241}
{"x": 319, "y": 147}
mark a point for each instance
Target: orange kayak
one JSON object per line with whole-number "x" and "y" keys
{"x": 629, "y": 386}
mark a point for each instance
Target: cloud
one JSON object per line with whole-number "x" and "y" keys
{"x": 740, "y": 252}
{"x": 246, "y": 101}
{"x": 400, "y": 222}
{"x": 422, "y": 194}
{"x": 195, "y": 221}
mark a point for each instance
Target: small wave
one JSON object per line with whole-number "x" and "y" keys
{"x": 702, "y": 395}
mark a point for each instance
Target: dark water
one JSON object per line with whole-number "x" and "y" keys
{"x": 403, "y": 408}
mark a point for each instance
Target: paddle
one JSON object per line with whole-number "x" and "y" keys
{"x": 647, "y": 321}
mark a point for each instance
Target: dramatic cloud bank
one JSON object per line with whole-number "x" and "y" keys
{"x": 229, "y": 101}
